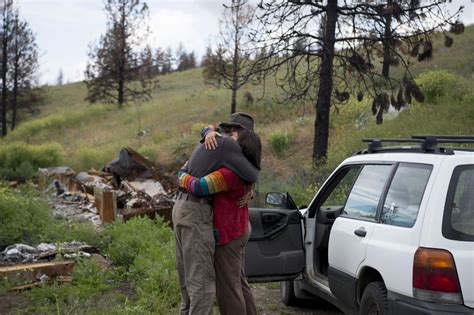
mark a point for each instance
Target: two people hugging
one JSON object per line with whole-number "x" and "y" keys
{"x": 210, "y": 218}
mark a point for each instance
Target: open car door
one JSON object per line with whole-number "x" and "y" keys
{"x": 275, "y": 248}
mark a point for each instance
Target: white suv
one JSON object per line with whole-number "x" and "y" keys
{"x": 390, "y": 232}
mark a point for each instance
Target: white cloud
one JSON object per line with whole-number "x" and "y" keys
{"x": 173, "y": 26}
{"x": 65, "y": 28}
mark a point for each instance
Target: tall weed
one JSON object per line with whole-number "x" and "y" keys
{"x": 438, "y": 84}
{"x": 148, "y": 150}
{"x": 67, "y": 119}
{"x": 25, "y": 217}
{"x": 21, "y": 159}
{"x": 89, "y": 157}
{"x": 144, "y": 252}
{"x": 280, "y": 142}
{"x": 182, "y": 147}
{"x": 79, "y": 297}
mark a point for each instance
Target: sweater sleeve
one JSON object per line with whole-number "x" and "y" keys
{"x": 234, "y": 159}
{"x": 205, "y": 131}
{"x": 217, "y": 181}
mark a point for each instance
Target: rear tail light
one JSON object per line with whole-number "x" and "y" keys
{"x": 435, "y": 277}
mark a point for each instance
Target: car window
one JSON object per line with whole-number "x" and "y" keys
{"x": 405, "y": 194}
{"x": 338, "y": 196}
{"x": 458, "y": 222}
{"x": 364, "y": 197}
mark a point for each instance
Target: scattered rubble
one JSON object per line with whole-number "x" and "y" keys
{"x": 128, "y": 186}
{"x": 21, "y": 253}
{"x": 75, "y": 206}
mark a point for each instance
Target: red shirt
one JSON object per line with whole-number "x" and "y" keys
{"x": 227, "y": 188}
{"x": 230, "y": 221}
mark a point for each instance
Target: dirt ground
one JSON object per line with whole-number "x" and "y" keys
{"x": 267, "y": 298}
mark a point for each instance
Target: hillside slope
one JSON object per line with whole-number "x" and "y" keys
{"x": 167, "y": 127}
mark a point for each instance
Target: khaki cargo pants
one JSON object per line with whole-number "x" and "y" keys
{"x": 193, "y": 227}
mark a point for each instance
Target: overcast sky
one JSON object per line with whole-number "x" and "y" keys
{"x": 65, "y": 28}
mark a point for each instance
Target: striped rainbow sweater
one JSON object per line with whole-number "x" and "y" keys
{"x": 210, "y": 184}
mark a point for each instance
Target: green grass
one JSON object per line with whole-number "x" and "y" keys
{"x": 20, "y": 159}
{"x": 70, "y": 131}
{"x": 27, "y": 218}
{"x": 165, "y": 128}
{"x": 142, "y": 279}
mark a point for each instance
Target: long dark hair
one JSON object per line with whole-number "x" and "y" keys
{"x": 251, "y": 146}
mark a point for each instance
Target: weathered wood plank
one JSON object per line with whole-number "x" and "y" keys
{"x": 106, "y": 204}
{"x": 23, "y": 276}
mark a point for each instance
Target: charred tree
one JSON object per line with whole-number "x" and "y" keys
{"x": 213, "y": 65}
{"x": 326, "y": 51}
{"x": 114, "y": 73}
{"x": 237, "y": 67}
{"x": 19, "y": 68}
{"x": 7, "y": 23}
{"x": 23, "y": 72}
{"x": 60, "y": 78}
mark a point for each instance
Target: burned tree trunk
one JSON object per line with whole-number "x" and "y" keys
{"x": 6, "y": 12}
{"x": 387, "y": 42}
{"x": 327, "y": 76}
{"x": 235, "y": 73}
{"x": 323, "y": 103}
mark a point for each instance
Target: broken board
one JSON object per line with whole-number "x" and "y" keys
{"x": 24, "y": 276}
{"x": 106, "y": 204}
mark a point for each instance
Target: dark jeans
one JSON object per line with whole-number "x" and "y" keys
{"x": 232, "y": 290}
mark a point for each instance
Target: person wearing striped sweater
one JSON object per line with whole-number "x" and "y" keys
{"x": 231, "y": 225}
{"x": 192, "y": 216}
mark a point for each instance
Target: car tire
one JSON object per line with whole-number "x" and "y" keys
{"x": 287, "y": 293}
{"x": 374, "y": 300}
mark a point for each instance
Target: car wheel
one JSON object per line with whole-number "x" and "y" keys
{"x": 374, "y": 300}
{"x": 287, "y": 293}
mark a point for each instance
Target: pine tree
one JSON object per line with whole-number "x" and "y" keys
{"x": 235, "y": 26}
{"x": 19, "y": 68}
{"x": 213, "y": 64}
{"x": 167, "y": 61}
{"x": 23, "y": 71}
{"x": 60, "y": 78}
{"x": 159, "y": 60}
{"x": 114, "y": 67}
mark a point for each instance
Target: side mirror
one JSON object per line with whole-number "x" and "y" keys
{"x": 281, "y": 200}
{"x": 276, "y": 199}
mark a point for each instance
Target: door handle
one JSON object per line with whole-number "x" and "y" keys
{"x": 360, "y": 232}
{"x": 270, "y": 218}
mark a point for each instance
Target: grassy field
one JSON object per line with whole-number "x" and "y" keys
{"x": 91, "y": 135}
{"x": 142, "y": 280}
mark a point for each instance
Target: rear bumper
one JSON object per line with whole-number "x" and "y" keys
{"x": 401, "y": 304}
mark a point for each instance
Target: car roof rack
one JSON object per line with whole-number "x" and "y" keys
{"x": 420, "y": 144}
